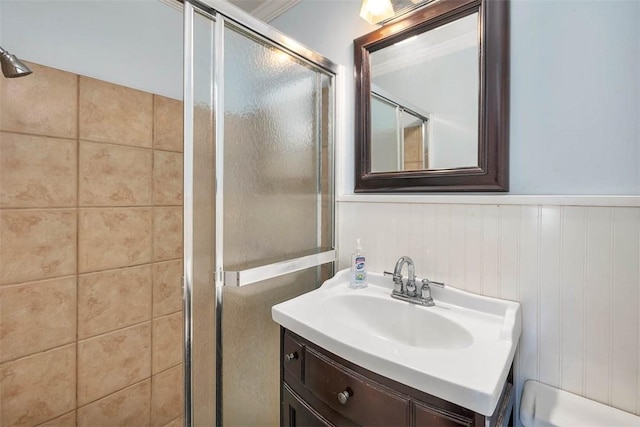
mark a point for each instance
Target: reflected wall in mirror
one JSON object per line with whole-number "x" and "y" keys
{"x": 432, "y": 100}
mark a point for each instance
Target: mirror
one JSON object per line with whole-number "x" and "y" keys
{"x": 432, "y": 100}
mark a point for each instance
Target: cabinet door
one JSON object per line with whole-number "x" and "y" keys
{"x": 296, "y": 413}
{"x": 431, "y": 417}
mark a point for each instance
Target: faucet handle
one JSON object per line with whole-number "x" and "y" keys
{"x": 396, "y": 276}
{"x": 438, "y": 284}
{"x": 397, "y": 281}
{"x": 425, "y": 291}
{"x": 427, "y": 282}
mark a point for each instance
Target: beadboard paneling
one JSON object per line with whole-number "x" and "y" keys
{"x": 574, "y": 269}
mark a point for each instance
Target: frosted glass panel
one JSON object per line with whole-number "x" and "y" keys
{"x": 259, "y": 183}
{"x": 278, "y": 204}
{"x": 272, "y": 153}
{"x": 203, "y": 356}
{"x": 251, "y": 360}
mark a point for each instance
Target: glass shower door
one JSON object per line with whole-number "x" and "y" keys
{"x": 199, "y": 211}
{"x": 277, "y": 208}
{"x": 262, "y": 227}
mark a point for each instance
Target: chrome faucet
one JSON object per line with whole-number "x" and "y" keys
{"x": 399, "y": 286}
{"x": 409, "y": 292}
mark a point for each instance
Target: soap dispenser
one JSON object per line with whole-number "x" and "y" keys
{"x": 358, "y": 268}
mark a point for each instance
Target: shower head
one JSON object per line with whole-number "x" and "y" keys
{"x": 12, "y": 66}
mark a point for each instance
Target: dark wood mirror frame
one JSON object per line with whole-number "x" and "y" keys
{"x": 492, "y": 172}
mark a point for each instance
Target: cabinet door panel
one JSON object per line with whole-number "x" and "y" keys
{"x": 295, "y": 413}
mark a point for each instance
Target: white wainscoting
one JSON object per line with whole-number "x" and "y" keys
{"x": 574, "y": 269}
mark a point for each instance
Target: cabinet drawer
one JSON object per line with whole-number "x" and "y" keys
{"x": 292, "y": 357}
{"x": 368, "y": 403}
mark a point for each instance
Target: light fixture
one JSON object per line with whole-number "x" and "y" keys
{"x": 374, "y": 11}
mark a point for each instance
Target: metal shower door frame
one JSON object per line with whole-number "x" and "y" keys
{"x": 223, "y": 13}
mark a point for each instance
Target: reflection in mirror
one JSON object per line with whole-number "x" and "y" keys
{"x": 432, "y": 100}
{"x": 399, "y": 135}
{"x": 435, "y": 74}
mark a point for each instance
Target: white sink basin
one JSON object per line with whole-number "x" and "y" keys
{"x": 460, "y": 350}
{"x": 389, "y": 320}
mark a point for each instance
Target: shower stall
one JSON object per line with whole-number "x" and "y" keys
{"x": 107, "y": 198}
{"x": 259, "y": 215}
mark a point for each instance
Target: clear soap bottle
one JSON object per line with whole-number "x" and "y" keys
{"x": 358, "y": 268}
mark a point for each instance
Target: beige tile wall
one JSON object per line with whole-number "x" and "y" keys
{"x": 90, "y": 253}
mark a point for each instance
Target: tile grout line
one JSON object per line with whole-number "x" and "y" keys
{"x": 65, "y": 276}
{"x": 41, "y": 135}
{"x": 56, "y": 417}
{"x": 36, "y": 281}
{"x": 87, "y": 207}
{"x": 39, "y": 352}
{"x": 115, "y": 392}
{"x": 94, "y": 141}
{"x": 91, "y": 337}
{"x": 117, "y": 144}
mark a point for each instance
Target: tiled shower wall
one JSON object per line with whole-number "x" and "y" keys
{"x": 90, "y": 253}
{"x": 574, "y": 269}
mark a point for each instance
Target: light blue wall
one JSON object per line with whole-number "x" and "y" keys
{"x": 134, "y": 43}
{"x": 575, "y": 89}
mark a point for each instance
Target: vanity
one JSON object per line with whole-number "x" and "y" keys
{"x": 360, "y": 357}
{"x": 320, "y": 388}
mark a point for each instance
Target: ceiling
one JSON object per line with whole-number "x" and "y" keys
{"x": 266, "y": 10}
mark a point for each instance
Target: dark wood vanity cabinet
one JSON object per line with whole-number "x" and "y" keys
{"x": 319, "y": 388}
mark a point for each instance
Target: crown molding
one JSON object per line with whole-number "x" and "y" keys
{"x": 267, "y": 11}
{"x": 177, "y": 5}
{"x": 271, "y": 9}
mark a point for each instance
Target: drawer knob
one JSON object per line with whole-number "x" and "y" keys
{"x": 291, "y": 356}
{"x": 344, "y": 396}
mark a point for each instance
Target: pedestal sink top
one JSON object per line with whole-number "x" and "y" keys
{"x": 459, "y": 350}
